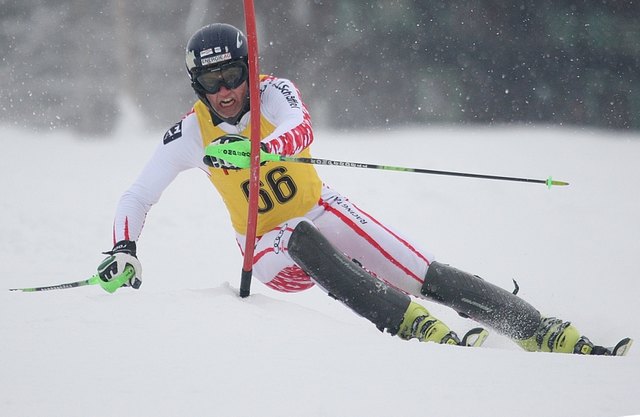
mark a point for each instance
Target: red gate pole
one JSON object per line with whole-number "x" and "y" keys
{"x": 254, "y": 176}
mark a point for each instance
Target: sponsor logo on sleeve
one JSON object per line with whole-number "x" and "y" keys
{"x": 173, "y": 133}
{"x": 289, "y": 95}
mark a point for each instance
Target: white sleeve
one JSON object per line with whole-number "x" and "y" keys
{"x": 282, "y": 105}
{"x": 181, "y": 149}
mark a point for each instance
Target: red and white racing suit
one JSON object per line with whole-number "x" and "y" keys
{"x": 289, "y": 193}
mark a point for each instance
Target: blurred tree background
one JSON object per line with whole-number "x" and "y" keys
{"x": 72, "y": 63}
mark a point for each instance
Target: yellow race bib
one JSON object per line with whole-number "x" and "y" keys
{"x": 287, "y": 189}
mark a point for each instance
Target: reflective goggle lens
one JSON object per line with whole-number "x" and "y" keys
{"x": 231, "y": 76}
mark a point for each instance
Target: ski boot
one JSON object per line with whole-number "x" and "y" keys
{"x": 418, "y": 323}
{"x": 554, "y": 335}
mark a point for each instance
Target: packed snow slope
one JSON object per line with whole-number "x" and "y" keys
{"x": 186, "y": 345}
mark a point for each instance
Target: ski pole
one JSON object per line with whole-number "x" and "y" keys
{"x": 108, "y": 286}
{"x": 237, "y": 153}
{"x": 91, "y": 281}
{"x": 320, "y": 161}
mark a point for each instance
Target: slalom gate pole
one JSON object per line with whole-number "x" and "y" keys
{"x": 254, "y": 176}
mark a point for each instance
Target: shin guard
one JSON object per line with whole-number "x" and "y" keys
{"x": 346, "y": 281}
{"x": 481, "y": 301}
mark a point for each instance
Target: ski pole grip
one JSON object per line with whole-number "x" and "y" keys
{"x": 118, "y": 281}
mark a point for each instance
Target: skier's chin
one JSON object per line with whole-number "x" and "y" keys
{"x": 229, "y": 111}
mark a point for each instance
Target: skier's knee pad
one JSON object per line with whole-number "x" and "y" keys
{"x": 346, "y": 281}
{"x": 481, "y": 301}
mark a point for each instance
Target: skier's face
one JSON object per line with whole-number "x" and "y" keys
{"x": 228, "y": 102}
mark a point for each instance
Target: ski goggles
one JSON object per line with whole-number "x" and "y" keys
{"x": 231, "y": 75}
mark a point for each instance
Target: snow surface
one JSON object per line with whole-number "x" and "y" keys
{"x": 186, "y": 345}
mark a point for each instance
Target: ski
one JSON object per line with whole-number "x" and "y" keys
{"x": 474, "y": 337}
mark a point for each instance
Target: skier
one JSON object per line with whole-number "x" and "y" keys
{"x": 308, "y": 233}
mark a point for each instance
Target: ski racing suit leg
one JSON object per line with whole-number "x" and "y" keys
{"x": 384, "y": 253}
